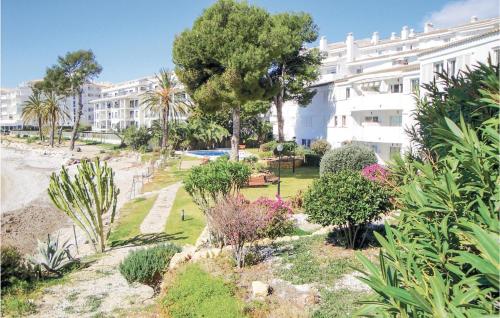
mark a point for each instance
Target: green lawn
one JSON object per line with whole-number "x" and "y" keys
{"x": 187, "y": 231}
{"x": 130, "y": 218}
{"x": 290, "y": 184}
{"x": 165, "y": 177}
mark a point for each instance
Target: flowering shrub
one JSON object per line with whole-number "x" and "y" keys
{"x": 375, "y": 172}
{"x": 278, "y": 213}
{"x": 238, "y": 221}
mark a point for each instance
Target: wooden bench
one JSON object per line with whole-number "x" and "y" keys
{"x": 257, "y": 181}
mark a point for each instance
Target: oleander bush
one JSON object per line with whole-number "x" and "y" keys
{"x": 442, "y": 257}
{"x": 320, "y": 147}
{"x": 349, "y": 201}
{"x": 349, "y": 157}
{"x": 278, "y": 217}
{"x": 207, "y": 184}
{"x": 147, "y": 265}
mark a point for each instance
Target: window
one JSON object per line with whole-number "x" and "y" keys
{"x": 359, "y": 70}
{"x": 394, "y": 150}
{"x": 374, "y": 148}
{"x": 415, "y": 84}
{"x": 438, "y": 67}
{"x": 497, "y": 56}
{"x": 306, "y": 143}
{"x": 131, "y": 113}
{"x": 131, "y": 104}
{"x": 333, "y": 69}
{"x": 371, "y": 119}
{"x": 399, "y": 48}
{"x": 450, "y": 67}
{"x": 347, "y": 93}
{"x": 335, "y": 123}
{"x": 343, "y": 121}
{"x": 396, "y": 120}
{"x": 396, "y": 88}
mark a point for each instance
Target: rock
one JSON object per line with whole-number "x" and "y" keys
{"x": 259, "y": 289}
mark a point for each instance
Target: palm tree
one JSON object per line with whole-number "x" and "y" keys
{"x": 34, "y": 111}
{"x": 162, "y": 100}
{"x": 54, "y": 113}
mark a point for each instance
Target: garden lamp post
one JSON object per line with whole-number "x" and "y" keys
{"x": 279, "y": 147}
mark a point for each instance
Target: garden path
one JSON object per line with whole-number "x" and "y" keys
{"x": 157, "y": 217}
{"x": 98, "y": 290}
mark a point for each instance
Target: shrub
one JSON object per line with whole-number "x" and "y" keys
{"x": 375, "y": 172}
{"x": 311, "y": 159}
{"x": 268, "y": 146}
{"x": 288, "y": 148}
{"x": 13, "y": 266}
{"x": 87, "y": 198}
{"x": 265, "y": 154}
{"x": 209, "y": 183}
{"x": 442, "y": 257}
{"x": 278, "y": 217}
{"x": 347, "y": 200}
{"x": 146, "y": 266}
{"x": 136, "y": 137}
{"x": 238, "y": 222}
{"x": 320, "y": 147}
{"x": 348, "y": 157}
{"x": 250, "y": 159}
{"x": 297, "y": 200}
{"x": 195, "y": 293}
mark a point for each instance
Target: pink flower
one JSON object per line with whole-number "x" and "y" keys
{"x": 375, "y": 172}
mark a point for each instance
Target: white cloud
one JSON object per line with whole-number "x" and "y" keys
{"x": 459, "y": 12}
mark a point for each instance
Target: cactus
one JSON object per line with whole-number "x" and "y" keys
{"x": 86, "y": 198}
{"x": 53, "y": 256}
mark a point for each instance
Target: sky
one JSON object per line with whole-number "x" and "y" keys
{"x": 133, "y": 38}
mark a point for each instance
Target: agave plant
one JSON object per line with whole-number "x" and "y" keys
{"x": 53, "y": 255}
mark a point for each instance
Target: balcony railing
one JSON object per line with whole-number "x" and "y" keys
{"x": 375, "y": 133}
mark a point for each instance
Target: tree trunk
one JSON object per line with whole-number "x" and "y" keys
{"x": 59, "y": 135}
{"x": 164, "y": 129}
{"x": 40, "y": 128}
{"x": 77, "y": 120}
{"x": 52, "y": 130}
{"x": 235, "y": 138}
{"x": 278, "y": 102}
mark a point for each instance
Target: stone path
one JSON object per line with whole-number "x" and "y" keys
{"x": 155, "y": 221}
{"x": 98, "y": 290}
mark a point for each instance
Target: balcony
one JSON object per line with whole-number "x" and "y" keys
{"x": 376, "y": 133}
{"x": 382, "y": 101}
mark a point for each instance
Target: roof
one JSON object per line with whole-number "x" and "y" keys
{"x": 460, "y": 42}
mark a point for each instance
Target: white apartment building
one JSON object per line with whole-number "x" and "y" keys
{"x": 120, "y": 105}
{"x": 12, "y": 102}
{"x": 11, "y": 105}
{"x": 365, "y": 93}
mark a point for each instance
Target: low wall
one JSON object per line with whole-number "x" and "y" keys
{"x": 285, "y": 163}
{"x": 107, "y": 138}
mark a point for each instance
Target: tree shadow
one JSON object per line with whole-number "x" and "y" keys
{"x": 146, "y": 239}
{"x": 365, "y": 239}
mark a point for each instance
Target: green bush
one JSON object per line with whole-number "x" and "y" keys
{"x": 195, "y": 293}
{"x": 347, "y": 200}
{"x": 265, "y": 154}
{"x": 146, "y": 266}
{"x": 268, "y": 146}
{"x": 208, "y": 183}
{"x": 288, "y": 148}
{"x": 136, "y": 137}
{"x": 442, "y": 257}
{"x": 349, "y": 157}
{"x": 311, "y": 159}
{"x": 13, "y": 266}
{"x": 320, "y": 147}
